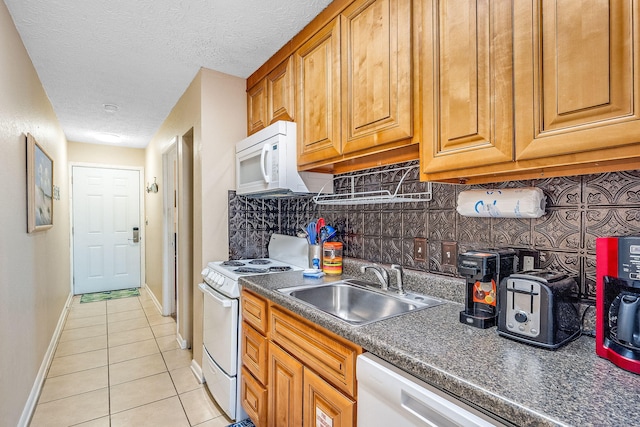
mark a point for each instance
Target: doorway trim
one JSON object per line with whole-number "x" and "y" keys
{"x": 143, "y": 279}
{"x": 169, "y": 285}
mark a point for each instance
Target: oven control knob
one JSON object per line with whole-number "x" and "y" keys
{"x": 220, "y": 279}
{"x": 205, "y": 272}
{"x": 521, "y": 317}
{"x": 212, "y": 275}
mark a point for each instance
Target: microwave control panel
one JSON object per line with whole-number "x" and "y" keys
{"x": 275, "y": 163}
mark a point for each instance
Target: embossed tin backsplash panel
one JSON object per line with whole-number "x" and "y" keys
{"x": 579, "y": 209}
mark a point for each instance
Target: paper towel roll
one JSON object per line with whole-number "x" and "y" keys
{"x": 528, "y": 202}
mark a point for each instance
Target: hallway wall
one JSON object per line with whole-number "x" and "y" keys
{"x": 34, "y": 268}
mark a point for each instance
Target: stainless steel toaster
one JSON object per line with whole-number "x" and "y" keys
{"x": 539, "y": 307}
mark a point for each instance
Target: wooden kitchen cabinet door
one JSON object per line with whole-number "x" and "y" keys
{"x": 257, "y": 107}
{"x": 284, "y": 389}
{"x": 254, "y": 399}
{"x": 577, "y": 76}
{"x": 324, "y": 405}
{"x": 466, "y": 75}
{"x": 377, "y": 98}
{"x": 317, "y": 64}
{"x": 281, "y": 92}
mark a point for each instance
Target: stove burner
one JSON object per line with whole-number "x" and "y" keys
{"x": 251, "y": 270}
{"x": 260, "y": 261}
{"x": 279, "y": 268}
{"x": 232, "y": 263}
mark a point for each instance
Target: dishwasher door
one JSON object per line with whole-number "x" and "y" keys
{"x": 388, "y": 396}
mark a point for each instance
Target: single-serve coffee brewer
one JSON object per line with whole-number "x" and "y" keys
{"x": 618, "y": 301}
{"x": 483, "y": 270}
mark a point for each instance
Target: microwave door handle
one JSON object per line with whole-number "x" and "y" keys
{"x": 263, "y": 155}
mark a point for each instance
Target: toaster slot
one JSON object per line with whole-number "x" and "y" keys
{"x": 523, "y": 307}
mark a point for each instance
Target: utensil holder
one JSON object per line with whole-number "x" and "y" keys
{"x": 315, "y": 256}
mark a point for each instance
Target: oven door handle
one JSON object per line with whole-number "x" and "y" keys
{"x": 223, "y": 302}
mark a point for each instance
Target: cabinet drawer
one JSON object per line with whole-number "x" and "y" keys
{"x": 254, "y": 311}
{"x": 254, "y": 399}
{"x": 254, "y": 352}
{"x": 332, "y": 357}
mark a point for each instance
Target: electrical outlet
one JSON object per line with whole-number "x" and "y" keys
{"x": 419, "y": 249}
{"x": 527, "y": 263}
{"x": 528, "y": 259}
{"x": 449, "y": 253}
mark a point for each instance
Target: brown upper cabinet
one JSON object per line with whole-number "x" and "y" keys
{"x": 317, "y": 65}
{"x": 577, "y": 80}
{"x": 575, "y": 77}
{"x": 467, "y": 87}
{"x": 491, "y": 89}
{"x": 257, "y": 107}
{"x": 354, "y": 84}
{"x": 272, "y": 98}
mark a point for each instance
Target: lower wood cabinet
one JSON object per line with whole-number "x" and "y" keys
{"x": 324, "y": 405}
{"x": 285, "y": 388}
{"x": 254, "y": 398}
{"x": 298, "y": 374}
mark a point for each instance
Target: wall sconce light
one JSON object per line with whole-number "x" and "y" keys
{"x": 153, "y": 188}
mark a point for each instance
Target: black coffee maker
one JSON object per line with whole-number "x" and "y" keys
{"x": 483, "y": 270}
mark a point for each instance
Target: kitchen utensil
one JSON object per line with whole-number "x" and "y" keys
{"x": 330, "y": 233}
{"x": 306, "y": 234}
{"x": 319, "y": 224}
{"x": 311, "y": 232}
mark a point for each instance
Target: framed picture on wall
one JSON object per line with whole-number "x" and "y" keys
{"x": 39, "y": 187}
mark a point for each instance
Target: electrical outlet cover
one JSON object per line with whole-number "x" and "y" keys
{"x": 419, "y": 249}
{"x": 449, "y": 253}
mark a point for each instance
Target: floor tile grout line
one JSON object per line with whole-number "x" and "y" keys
{"x": 169, "y": 372}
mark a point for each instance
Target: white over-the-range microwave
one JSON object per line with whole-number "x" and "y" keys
{"x": 266, "y": 165}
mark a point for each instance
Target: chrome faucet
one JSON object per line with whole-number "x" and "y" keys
{"x": 380, "y": 272}
{"x": 399, "y": 278}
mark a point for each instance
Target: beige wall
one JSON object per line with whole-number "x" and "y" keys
{"x": 214, "y": 106}
{"x": 224, "y": 121}
{"x": 108, "y": 155}
{"x": 34, "y": 268}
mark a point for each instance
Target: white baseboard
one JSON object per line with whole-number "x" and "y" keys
{"x": 154, "y": 299}
{"x": 32, "y": 401}
{"x": 181, "y": 341}
{"x": 197, "y": 371}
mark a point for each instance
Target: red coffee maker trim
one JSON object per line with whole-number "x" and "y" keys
{"x": 608, "y": 265}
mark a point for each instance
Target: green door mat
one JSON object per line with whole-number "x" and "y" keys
{"x": 102, "y": 296}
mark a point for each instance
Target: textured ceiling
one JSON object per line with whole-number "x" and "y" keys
{"x": 142, "y": 54}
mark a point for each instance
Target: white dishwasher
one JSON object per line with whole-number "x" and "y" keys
{"x": 388, "y": 396}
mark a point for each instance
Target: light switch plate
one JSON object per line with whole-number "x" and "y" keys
{"x": 419, "y": 249}
{"x": 449, "y": 253}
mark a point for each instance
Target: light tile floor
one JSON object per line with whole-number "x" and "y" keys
{"x": 118, "y": 364}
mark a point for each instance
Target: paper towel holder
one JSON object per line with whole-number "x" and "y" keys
{"x": 524, "y": 202}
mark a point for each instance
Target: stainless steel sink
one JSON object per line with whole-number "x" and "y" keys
{"x": 358, "y": 302}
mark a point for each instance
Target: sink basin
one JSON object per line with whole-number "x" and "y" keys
{"x": 357, "y": 302}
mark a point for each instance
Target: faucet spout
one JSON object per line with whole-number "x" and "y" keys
{"x": 399, "y": 278}
{"x": 380, "y": 272}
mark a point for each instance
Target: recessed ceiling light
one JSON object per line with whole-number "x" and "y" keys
{"x": 108, "y": 137}
{"x": 110, "y": 108}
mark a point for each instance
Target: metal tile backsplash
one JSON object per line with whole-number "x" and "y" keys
{"x": 579, "y": 209}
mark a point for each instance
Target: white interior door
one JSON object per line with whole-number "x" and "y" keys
{"x": 106, "y": 218}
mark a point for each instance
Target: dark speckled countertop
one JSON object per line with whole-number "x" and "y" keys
{"x": 525, "y": 385}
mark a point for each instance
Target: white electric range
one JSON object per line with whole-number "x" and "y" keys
{"x": 222, "y": 325}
